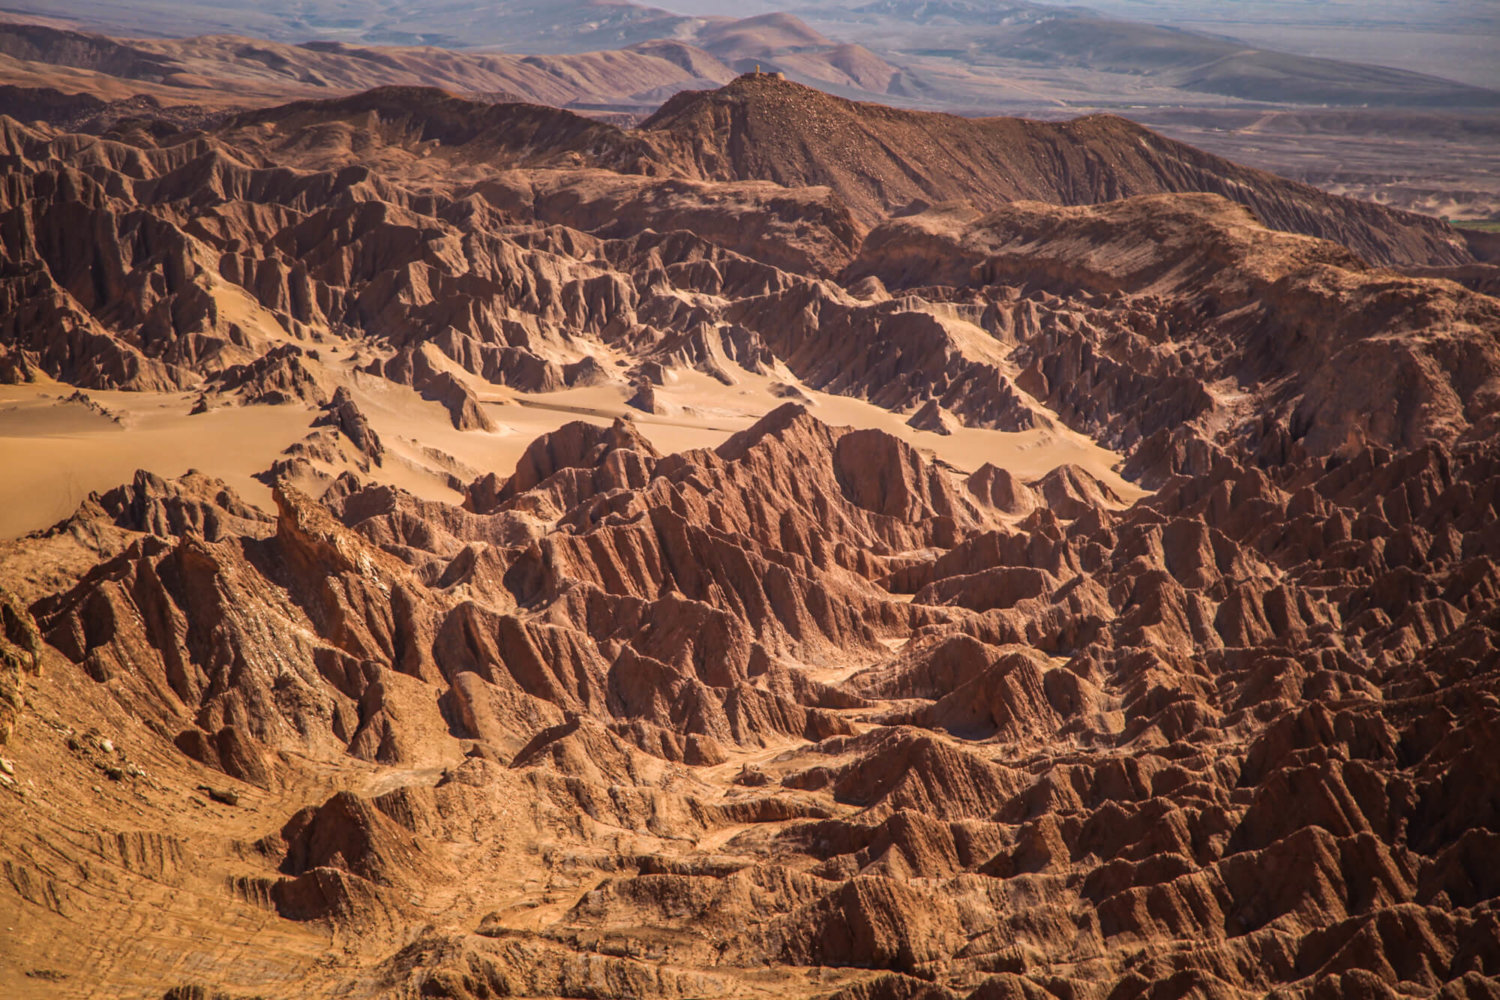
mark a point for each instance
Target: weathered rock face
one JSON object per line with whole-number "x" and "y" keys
{"x": 881, "y": 160}
{"x": 1145, "y": 317}
{"x": 350, "y": 246}
{"x": 343, "y": 413}
{"x": 1276, "y": 719}
{"x": 20, "y": 649}
{"x": 278, "y": 376}
{"x": 810, "y": 713}
{"x": 421, "y": 368}
{"x": 595, "y": 460}
{"x": 15, "y": 369}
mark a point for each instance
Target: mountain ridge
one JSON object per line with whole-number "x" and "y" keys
{"x": 880, "y": 160}
{"x": 944, "y": 158}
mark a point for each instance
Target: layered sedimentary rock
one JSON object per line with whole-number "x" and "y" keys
{"x": 811, "y": 712}
{"x": 1275, "y": 686}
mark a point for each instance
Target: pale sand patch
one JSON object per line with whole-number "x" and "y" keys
{"x": 703, "y": 413}
{"x": 53, "y": 454}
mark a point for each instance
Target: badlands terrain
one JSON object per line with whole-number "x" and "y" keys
{"x": 788, "y": 547}
{"x": 1395, "y": 102}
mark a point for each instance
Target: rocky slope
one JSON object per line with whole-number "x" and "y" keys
{"x": 1293, "y": 341}
{"x": 884, "y": 159}
{"x": 811, "y": 712}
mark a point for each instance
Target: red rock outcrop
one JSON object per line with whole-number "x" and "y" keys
{"x": 1228, "y": 716}
{"x": 20, "y": 649}
{"x": 1150, "y": 289}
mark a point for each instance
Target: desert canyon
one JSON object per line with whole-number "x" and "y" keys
{"x": 457, "y": 546}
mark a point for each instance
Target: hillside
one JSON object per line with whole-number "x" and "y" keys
{"x": 1405, "y": 140}
{"x": 881, "y": 159}
{"x": 1207, "y": 64}
{"x": 874, "y": 159}
{"x": 223, "y": 69}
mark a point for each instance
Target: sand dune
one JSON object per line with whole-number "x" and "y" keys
{"x": 56, "y": 452}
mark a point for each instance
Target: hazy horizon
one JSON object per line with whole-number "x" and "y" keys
{"x": 1455, "y": 40}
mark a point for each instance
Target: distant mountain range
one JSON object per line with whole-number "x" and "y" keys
{"x": 951, "y": 54}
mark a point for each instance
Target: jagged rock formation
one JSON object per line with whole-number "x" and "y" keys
{"x": 811, "y": 712}
{"x": 240, "y": 253}
{"x": 14, "y": 368}
{"x": 278, "y": 376}
{"x": 1165, "y": 312}
{"x": 20, "y": 649}
{"x": 1249, "y": 667}
{"x": 422, "y": 369}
